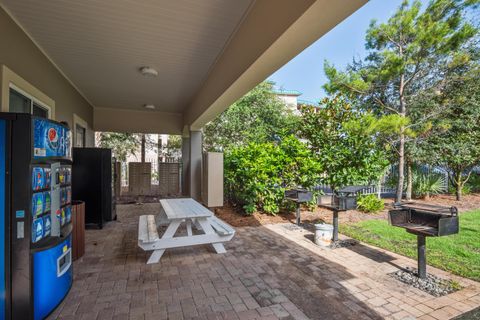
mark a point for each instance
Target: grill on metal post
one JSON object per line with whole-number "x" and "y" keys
{"x": 424, "y": 221}
{"x": 298, "y": 196}
{"x": 346, "y": 198}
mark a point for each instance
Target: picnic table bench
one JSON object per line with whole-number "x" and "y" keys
{"x": 175, "y": 212}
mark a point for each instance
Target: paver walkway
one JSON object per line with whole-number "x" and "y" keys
{"x": 267, "y": 273}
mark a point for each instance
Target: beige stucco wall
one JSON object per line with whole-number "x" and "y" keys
{"x": 133, "y": 121}
{"x": 33, "y": 72}
{"x": 289, "y": 100}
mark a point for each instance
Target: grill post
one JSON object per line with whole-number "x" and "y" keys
{"x": 422, "y": 260}
{"x": 298, "y": 213}
{"x": 335, "y": 225}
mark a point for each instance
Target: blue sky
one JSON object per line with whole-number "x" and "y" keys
{"x": 305, "y": 72}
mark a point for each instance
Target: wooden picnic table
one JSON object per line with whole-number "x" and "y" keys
{"x": 175, "y": 213}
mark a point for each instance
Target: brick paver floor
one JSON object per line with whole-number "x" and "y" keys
{"x": 268, "y": 272}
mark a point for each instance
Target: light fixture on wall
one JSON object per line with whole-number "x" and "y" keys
{"x": 148, "y": 71}
{"x": 149, "y": 106}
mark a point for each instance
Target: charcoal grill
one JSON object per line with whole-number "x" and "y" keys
{"x": 298, "y": 196}
{"x": 424, "y": 221}
{"x": 346, "y": 198}
{"x": 335, "y": 209}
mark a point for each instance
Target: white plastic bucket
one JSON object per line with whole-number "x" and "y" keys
{"x": 323, "y": 234}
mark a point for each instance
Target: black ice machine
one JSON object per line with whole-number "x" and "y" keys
{"x": 92, "y": 177}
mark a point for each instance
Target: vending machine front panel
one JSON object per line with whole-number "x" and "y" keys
{"x": 50, "y": 140}
{"x": 52, "y": 277}
{"x": 35, "y": 259}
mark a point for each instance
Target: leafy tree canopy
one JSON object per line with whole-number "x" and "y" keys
{"x": 343, "y": 140}
{"x": 174, "y": 144}
{"x": 122, "y": 144}
{"x": 258, "y": 116}
{"x": 407, "y": 56}
{"x": 457, "y": 146}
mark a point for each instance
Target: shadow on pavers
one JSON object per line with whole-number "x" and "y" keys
{"x": 470, "y": 315}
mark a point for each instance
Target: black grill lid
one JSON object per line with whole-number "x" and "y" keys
{"x": 453, "y": 211}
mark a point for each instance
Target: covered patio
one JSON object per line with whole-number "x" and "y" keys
{"x": 165, "y": 67}
{"x": 170, "y": 67}
{"x": 268, "y": 272}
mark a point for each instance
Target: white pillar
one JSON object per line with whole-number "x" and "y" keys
{"x": 195, "y": 165}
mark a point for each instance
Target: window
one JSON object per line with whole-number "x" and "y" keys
{"x": 22, "y": 103}
{"x": 39, "y": 111}
{"x": 19, "y": 103}
{"x": 79, "y": 136}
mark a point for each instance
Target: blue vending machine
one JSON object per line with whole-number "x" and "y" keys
{"x": 35, "y": 216}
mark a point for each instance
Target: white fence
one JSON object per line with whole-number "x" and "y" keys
{"x": 367, "y": 190}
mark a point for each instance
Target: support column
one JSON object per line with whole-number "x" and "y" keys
{"x": 195, "y": 165}
{"x": 335, "y": 226}
{"x": 422, "y": 259}
{"x": 185, "y": 165}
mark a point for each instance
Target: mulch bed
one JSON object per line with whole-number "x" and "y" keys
{"x": 236, "y": 217}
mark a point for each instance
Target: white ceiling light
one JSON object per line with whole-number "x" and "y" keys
{"x": 149, "y": 106}
{"x": 148, "y": 71}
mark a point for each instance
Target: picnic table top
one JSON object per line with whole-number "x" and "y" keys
{"x": 184, "y": 208}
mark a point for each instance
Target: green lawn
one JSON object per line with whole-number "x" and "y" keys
{"x": 459, "y": 254}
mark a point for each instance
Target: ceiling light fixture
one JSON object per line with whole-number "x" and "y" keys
{"x": 149, "y": 106}
{"x": 148, "y": 71}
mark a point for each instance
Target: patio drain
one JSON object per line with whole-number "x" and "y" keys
{"x": 432, "y": 285}
{"x": 470, "y": 315}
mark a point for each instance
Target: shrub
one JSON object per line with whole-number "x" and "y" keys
{"x": 369, "y": 203}
{"x": 256, "y": 175}
{"x": 466, "y": 189}
{"x": 474, "y": 182}
{"x": 427, "y": 183}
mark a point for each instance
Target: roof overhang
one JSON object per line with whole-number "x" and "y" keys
{"x": 208, "y": 53}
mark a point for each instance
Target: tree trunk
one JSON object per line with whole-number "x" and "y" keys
{"x": 460, "y": 180}
{"x": 143, "y": 148}
{"x": 401, "y": 148}
{"x": 401, "y": 164}
{"x": 160, "y": 149}
{"x": 408, "y": 192}
{"x": 458, "y": 191}
{"x": 379, "y": 188}
{"x": 459, "y": 183}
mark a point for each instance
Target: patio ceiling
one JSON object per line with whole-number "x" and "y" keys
{"x": 208, "y": 53}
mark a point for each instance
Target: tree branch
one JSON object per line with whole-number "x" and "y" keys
{"x": 425, "y": 118}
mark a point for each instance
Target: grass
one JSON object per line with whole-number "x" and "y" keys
{"x": 458, "y": 254}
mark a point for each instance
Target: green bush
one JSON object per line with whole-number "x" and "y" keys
{"x": 256, "y": 175}
{"x": 426, "y": 184}
{"x": 474, "y": 182}
{"x": 369, "y": 203}
{"x": 466, "y": 189}
{"x": 472, "y": 185}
